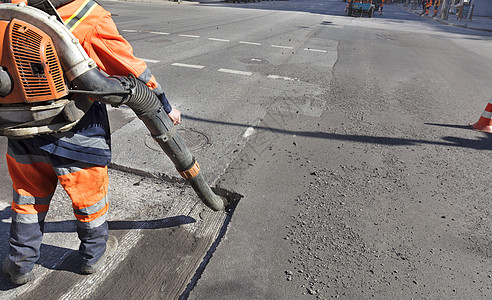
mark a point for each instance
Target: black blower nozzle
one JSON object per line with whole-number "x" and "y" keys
{"x": 135, "y": 94}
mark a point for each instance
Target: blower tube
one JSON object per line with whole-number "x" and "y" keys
{"x": 117, "y": 90}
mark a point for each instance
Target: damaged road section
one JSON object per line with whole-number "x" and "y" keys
{"x": 166, "y": 237}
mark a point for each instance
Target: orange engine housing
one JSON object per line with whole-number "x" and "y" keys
{"x": 29, "y": 56}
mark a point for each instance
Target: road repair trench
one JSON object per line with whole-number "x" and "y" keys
{"x": 166, "y": 237}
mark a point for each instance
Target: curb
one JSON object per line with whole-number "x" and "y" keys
{"x": 446, "y": 23}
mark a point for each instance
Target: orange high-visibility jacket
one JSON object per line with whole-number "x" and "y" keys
{"x": 99, "y": 37}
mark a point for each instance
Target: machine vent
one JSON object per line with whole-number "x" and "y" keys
{"x": 26, "y": 47}
{"x": 39, "y": 70}
{"x": 54, "y": 68}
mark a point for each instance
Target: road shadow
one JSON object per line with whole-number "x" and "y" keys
{"x": 64, "y": 259}
{"x": 480, "y": 143}
{"x": 394, "y": 13}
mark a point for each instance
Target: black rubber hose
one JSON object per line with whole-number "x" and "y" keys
{"x": 107, "y": 90}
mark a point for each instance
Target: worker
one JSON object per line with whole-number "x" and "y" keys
{"x": 381, "y": 7}
{"x": 428, "y": 4}
{"x": 77, "y": 159}
{"x": 348, "y": 5}
{"x": 376, "y": 4}
{"x": 425, "y": 7}
{"x": 436, "y": 4}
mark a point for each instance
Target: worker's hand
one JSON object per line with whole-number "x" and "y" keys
{"x": 175, "y": 116}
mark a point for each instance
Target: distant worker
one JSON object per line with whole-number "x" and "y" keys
{"x": 77, "y": 159}
{"x": 381, "y": 7}
{"x": 436, "y": 4}
{"x": 426, "y": 7}
{"x": 376, "y": 4}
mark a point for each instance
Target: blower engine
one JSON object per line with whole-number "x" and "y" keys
{"x": 40, "y": 59}
{"x": 33, "y": 90}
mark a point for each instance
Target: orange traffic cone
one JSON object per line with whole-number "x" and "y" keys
{"x": 485, "y": 121}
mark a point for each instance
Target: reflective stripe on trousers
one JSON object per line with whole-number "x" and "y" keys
{"x": 35, "y": 174}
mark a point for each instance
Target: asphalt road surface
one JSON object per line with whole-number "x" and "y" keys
{"x": 347, "y": 136}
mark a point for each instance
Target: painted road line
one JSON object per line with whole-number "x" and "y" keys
{"x": 235, "y": 72}
{"x": 189, "y": 35}
{"x": 248, "y": 132}
{"x": 157, "y": 32}
{"x": 152, "y": 61}
{"x": 12, "y": 293}
{"x": 130, "y": 30}
{"x": 249, "y": 43}
{"x": 188, "y": 66}
{"x": 315, "y": 50}
{"x": 218, "y": 40}
{"x": 283, "y": 47}
{"x": 281, "y": 77}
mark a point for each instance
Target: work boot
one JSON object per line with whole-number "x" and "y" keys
{"x": 16, "y": 277}
{"x": 111, "y": 246}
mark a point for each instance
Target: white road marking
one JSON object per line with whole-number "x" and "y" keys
{"x": 224, "y": 40}
{"x": 281, "y": 77}
{"x": 248, "y": 132}
{"x": 189, "y": 35}
{"x": 283, "y": 47}
{"x": 315, "y": 50}
{"x": 39, "y": 273}
{"x": 152, "y": 61}
{"x": 188, "y": 66}
{"x": 249, "y": 43}
{"x": 218, "y": 40}
{"x": 157, "y": 32}
{"x": 235, "y": 72}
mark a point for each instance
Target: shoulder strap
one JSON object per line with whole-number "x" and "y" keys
{"x": 48, "y": 6}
